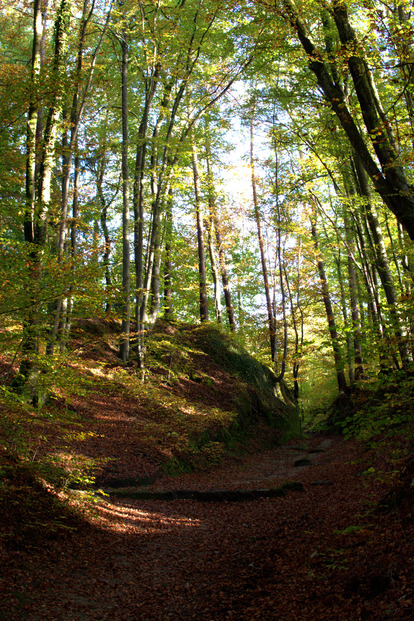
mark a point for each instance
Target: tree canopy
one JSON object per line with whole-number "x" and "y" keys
{"x": 245, "y": 163}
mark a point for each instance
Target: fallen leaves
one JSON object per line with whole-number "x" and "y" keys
{"x": 305, "y": 556}
{"x": 325, "y": 552}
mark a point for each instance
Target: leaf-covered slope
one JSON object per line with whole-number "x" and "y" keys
{"x": 200, "y": 398}
{"x": 205, "y": 355}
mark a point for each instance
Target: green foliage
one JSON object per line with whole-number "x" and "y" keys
{"x": 13, "y": 432}
{"x": 385, "y": 407}
{"x": 68, "y": 470}
{"x": 351, "y": 529}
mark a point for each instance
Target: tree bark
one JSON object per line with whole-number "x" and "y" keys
{"x": 270, "y": 315}
{"x": 168, "y": 308}
{"x": 219, "y": 240}
{"x": 126, "y": 310}
{"x": 203, "y": 304}
{"x": 389, "y": 178}
{"x": 280, "y": 375}
{"x": 382, "y": 263}
{"x": 340, "y": 375}
{"x": 38, "y": 193}
{"x": 353, "y": 295}
{"x": 214, "y": 269}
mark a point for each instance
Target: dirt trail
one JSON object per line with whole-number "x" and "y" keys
{"x": 263, "y": 559}
{"x": 269, "y": 469}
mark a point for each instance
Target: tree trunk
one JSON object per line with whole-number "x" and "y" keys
{"x": 219, "y": 241}
{"x": 353, "y": 295}
{"x": 138, "y": 202}
{"x": 126, "y": 310}
{"x": 299, "y": 332}
{"x": 280, "y": 260}
{"x": 270, "y": 315}
{"x": 38, "y": 195}
{"x": 68, "y": 149}
{"x": 344, "y": 307}
{"x": 168, "y": 309}
{"x": 382, "y": 263}
{"x": 214, "y": 270}
{"x": 389, "y": 179}
{"x": 340, "y": 376}
{"x": 73, "y": 251}
{"x": 224, "y": 276}
{"x": 203, "y": 304}
{"x": 104, "y": 224}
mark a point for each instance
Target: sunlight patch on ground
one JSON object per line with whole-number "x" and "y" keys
{"x": 127, "y": 519}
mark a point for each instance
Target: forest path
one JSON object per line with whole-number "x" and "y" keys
{"x": 269, "y": 558}
{"x": 270, "y": 473}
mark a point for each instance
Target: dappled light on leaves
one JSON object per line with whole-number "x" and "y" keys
{"x": 131, "y": 520}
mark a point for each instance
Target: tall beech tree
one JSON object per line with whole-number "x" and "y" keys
{"x": 339, "y": 365}
{"x": 215, "y": 227}
{"x": 69, "y": 144}
{"x": 39, "y": 181}
{"x": 266, "y": 281}
{"x": 387, "y": 174}
{"x": 202, "y": 276}
{"x": 126, "y": 274}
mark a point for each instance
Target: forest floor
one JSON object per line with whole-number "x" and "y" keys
{"x": 335, "y": 547}
{"x": 325, "y": 552}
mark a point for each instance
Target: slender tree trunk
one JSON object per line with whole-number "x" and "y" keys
{"x": 32, "y": 121}
{"x": 73, "y": 251}
{"x": 393, "y": 253}
{"x": 138, "y": 202}
{"x": 382, "y": 263}
{"x": 160, "y": 183}
{"x": 299, "y": 333}
{"x": 168, "y": 308}
{"x": 280, "y": 261}
{"x": 203, "y": 304}
{"x": 344, "y": 307}
{"x": 107, "y": 239}
{"x": 156, "y": 268}
{"x": 126, "y": 310}
{"x": 224, "y": 276}
{"x": 270, "y": 315}
{"x": 340, "y": 376}
{"x": 214, "y": 270}
{"x": 353, "y": 295}
{"x": 215, "y": 223}
{"x": 369, "y": 274}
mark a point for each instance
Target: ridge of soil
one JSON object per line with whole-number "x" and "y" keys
{"x": 318, "y": 553}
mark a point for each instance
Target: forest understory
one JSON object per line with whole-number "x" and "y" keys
{"x": 329, "y": 536}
